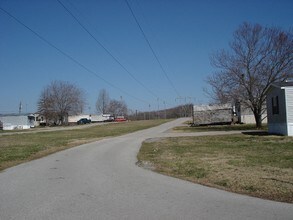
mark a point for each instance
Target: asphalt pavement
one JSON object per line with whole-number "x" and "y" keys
{"x": 101, "y": 181}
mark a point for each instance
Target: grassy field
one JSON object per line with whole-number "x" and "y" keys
{"x": 260, "y": 166}
{"x": 17, "y": 148}
{"x": 236, "y": 127}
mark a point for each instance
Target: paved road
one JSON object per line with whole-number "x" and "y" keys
{"x": 101, "y": 181}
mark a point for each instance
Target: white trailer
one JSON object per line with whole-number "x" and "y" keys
{"x": 212, "y": 114}
{"x": 102, "y": 118}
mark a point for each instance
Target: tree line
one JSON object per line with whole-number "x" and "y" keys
{"x": 105, "y": 105}
{"x": 60, "y": 99}
{"x": 175, "y": 112}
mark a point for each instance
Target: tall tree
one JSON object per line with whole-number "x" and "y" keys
{"x": 60, "y": 99}
{"x": 258, "y": 56}
{"x": 117, "y": 108}
{"x": 102, "y": 103}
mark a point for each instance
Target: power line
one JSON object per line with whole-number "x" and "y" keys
{"x": 151, "y": 48}
{"x": 105, "y": 49}
{"x": 70, "y": 57}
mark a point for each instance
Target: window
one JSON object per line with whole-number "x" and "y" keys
{"x": 275, "y": 105}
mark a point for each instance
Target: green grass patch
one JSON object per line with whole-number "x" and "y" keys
{"x": 18, "y": 147}
{"x": 260, "y": 166}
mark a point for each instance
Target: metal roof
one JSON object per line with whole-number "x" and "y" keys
{"x": 283, "y": 84}
{"x": 17, "y": 114}
{"x": 280, "y": 85}
{"x": 211, "y": 107}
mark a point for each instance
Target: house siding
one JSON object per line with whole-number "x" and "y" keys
{"x": 289, "y": 102}
{"x": 289, "y": 110}
{"x": 277, "y": 122}
{"x": 210, "y": 114}
{"x": 75, "y": 118}
{"x": 16, "y": 122}
{"x": 246, "y": 116}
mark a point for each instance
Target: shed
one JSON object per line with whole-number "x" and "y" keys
{"x": 280, "y": 108}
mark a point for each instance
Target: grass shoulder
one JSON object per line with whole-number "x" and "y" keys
{"x": 18, "y": 147}
{"x": 260, "y": 166}
{"x": 236, "y": 127}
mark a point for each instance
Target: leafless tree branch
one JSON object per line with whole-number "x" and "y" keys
{"x": 258, "y": 56}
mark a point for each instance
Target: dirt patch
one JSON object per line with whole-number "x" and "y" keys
{"x": 146, "y": 165}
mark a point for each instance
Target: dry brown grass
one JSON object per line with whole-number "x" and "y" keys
{"x": 236, "y": 127}
{"x": 260, "y": 166}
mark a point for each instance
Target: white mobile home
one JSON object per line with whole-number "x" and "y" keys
{"x": 94, "y": 118}
{"x": 12, "y": 122}
{"x": 102, "y": 118}
{"x": 245, "y": 114}
{"x": 280, "y": 108}
{"x": 74, "y": 118}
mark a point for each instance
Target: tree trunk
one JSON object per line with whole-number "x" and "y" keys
{"x": 258, "y": 120}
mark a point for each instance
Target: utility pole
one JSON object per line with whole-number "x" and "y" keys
{"x": 158, "y": 107}
{"x": 181, "y": 111}
{"x": 149, "y": 111}
{"x": 165, "y": 110}
{"x": 20, "y": 108}
{"x": 192, "y": 109}
{"x": 121, "y": 100}
{"x": 184, "y": 111}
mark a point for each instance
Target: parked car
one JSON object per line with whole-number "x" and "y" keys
{"x": 120, "y": 119}
{"x": 83, "y": 121}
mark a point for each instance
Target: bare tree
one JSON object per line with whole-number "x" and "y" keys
{"x": 60, "y": 99}
{"x": 117, "y": 108}
{"x": 102, "y": 103}
{"x": 258, "y": 56}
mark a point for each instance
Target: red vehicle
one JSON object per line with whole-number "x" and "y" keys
{"x": 120, "y": 119}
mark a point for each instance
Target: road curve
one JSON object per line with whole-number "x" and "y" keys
{"x": 101, "y": 181}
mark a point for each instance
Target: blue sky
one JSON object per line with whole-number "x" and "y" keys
{"x": 183, "y": 34}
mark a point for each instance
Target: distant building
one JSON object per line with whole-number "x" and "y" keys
{"x": 280, "y": 108}
{"x": 246, "y": 116}
{"x": 72, "y": 119}
{"x": 224, "y": 114}
{"x": 18, "y": 121}
{"x": 212, "y": 114}
{"x": 102, "y": 118}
